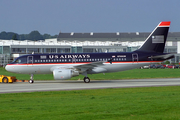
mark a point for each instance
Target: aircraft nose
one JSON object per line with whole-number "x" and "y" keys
{"x": 8, "y": 68}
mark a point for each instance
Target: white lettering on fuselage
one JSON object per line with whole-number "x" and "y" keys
{"x": 121, "y": 55}
{"x": 43, "y": 56}
{"x": 69, "y": 56}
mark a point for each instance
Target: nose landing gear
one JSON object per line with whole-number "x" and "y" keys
{"x": 31, "y": 79}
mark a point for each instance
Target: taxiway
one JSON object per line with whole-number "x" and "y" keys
{"x": 77, "y": 85}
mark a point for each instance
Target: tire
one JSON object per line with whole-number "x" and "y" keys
{"x": 86, "y": 80}
{"x": 31, "y": 81}
{"x": 5, "y": 80}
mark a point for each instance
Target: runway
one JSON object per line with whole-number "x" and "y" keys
{"x": 77, "y": 85}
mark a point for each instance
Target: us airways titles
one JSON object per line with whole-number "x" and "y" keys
{"x": 65, "y": 56}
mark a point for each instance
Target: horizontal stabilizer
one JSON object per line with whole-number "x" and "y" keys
{"x": 167, "y": 56}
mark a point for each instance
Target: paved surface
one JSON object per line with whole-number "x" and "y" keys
{"x": 76, "y": 85}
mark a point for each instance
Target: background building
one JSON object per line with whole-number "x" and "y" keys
{"x": 84, "y": 43}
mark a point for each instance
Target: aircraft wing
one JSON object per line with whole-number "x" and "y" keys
{"x": 89, "y": 66}
{"x": 82, "y": 67}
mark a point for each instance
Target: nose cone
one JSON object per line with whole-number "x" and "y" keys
{"x": 9, "y": 68}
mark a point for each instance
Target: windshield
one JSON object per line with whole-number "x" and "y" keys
{"x": 20, "y": 60}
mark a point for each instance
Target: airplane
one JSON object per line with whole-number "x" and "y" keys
{"x": 66, "y": 65}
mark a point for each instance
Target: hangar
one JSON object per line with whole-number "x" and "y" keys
{"x": 84, "y": 43}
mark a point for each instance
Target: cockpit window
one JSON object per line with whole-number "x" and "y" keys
{"x": 21, "y": 60}
{"x": 18, "y": 61}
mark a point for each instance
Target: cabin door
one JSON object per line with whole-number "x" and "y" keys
{"x": 135, "y": 58}
{"x": 30, "y": 61}
{"x": 73, "y": 60}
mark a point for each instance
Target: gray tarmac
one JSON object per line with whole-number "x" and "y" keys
{"x": 78, "y": 85}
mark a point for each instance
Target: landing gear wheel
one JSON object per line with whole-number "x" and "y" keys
{"x": 31, "y": 81}
{"x": 86, "y": 80}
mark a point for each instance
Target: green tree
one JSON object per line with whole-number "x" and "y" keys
{"x": 3, "y": 35}
{"x": 14, "y": 37}
{"x": 35, "y": 35}
{"x": 46, "y": 36}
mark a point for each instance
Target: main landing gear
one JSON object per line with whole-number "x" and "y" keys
{"x": 86, "y": 80}
{"x": 31, "y": 79}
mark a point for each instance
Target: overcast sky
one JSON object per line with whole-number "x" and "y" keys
{"x": 53, "y": 16}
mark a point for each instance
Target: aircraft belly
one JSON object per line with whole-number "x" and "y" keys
{"x": 40, "y": 69}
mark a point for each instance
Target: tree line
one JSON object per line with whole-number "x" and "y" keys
{"x": 34, "y": 35}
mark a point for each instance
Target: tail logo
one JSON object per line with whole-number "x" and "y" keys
{"x": 158, "y": 39}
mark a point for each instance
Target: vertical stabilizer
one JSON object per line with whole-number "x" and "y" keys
{"x": 155, "y": 42}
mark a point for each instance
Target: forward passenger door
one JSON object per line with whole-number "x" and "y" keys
{"x": 30, "y": 61}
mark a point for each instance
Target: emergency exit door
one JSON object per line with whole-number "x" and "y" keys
{"x": 134, "y": 58}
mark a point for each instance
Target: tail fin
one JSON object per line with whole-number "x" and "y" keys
{"x": 155, "y": 42}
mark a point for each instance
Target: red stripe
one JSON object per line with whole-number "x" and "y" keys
{"x": 166, "y": 23}
{"x": 84, "y": 63}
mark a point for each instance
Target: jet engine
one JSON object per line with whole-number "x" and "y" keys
{"x": 63, "y": 74}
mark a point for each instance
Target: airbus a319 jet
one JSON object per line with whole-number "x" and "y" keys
{"x": 67, "y": 65}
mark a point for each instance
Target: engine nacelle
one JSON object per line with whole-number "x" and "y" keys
{"x": 63, "y": 74}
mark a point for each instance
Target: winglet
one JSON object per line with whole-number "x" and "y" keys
{"x": 165, "y": 23}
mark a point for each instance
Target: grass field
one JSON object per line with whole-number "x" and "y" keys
{"x": 130, "y": 74}
{"x": 149, "y": 103}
